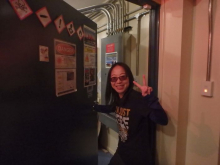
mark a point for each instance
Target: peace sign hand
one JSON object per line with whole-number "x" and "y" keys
{"x": 145, "y": 90}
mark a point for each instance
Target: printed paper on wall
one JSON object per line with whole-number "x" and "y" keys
{"x": 89, "y": 56}
{"x": 65, "y": 67}
{"x": 65, "y": 54}
{"x": 44, "y": 53}
{"x": 89, "y": 76}
{"x": 21, "y": 8}
{"x": 60, "y": 24}
{"x": 89, "y": 36}
{"x": 80, "y": 33}
{"x": 65, "y": 81}
{"x": 110, "y": 59}
{"x": 43, "y": 16}
{"x": 70, "y": 28}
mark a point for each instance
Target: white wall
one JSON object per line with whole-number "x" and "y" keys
{"x": 204, "y": 126}
{"x": 192, "y": 135}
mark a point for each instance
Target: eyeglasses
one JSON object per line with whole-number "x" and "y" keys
{"x": 121, "y": 78}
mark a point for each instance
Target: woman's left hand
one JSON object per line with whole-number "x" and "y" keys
{"x": 145, "y": 90}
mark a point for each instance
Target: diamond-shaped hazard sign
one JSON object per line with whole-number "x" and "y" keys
{"x": 70, "y": 28}
{"x": 43, "y": 16}
{"x": 59, "y": 23}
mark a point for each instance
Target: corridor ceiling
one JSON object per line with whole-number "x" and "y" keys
{"x": 78, "y": 4}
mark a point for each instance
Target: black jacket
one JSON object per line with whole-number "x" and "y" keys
{"x": 134, "y": 114}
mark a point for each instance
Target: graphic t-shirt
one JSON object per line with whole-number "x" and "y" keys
{"x": 132, "y": 115}
{"x": 136, "y": 117}
{"x": 122, "y": 116}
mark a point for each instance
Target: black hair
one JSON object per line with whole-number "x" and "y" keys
{"x": 111, "y": 96}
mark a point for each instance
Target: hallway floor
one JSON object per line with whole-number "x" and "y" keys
{"x": 104, "y": 157}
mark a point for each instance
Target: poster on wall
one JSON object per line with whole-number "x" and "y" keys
{"x": 89, "y": 56}
{"x": 89, "y": 76}
{"x": 109, "y": 48}
{"x": 63, "y": 61}
{"x": 80, "y": 33}
{"x": 65, "y": 67}
{"x": 70, "y": 28}
{"x": 60, "y": 24}
{"x": 21, "y": 8}
{"x": 110, "y": 59}
{"x": 43, "y": 16}
{"x": 65, "y": 81}
{"x": 89, "y": 36}
{"x": 65, "y": 54}
{"x": 43, "y": 53}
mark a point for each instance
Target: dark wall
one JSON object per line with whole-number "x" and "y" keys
{"x": 36, "y": 127}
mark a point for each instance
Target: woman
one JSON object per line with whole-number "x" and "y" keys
{"x": 134, "y": 113}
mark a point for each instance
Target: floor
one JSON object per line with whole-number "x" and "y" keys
{"x": 103, "y": 157}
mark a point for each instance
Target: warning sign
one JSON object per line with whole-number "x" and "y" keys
{"x": 70, "y": 28}
{"x": 80, "y": 33}
{"x": 110, "y": 48}
{"x": 43, "y": 16}
{"x": 21, "y": 8}
{"x": 60, "y": 24}
{"x": 44, "y": 53}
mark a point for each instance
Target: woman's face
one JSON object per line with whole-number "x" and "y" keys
{"x": 119, "y": 80}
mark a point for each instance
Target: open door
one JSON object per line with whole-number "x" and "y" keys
{"x": 45, "y": 98}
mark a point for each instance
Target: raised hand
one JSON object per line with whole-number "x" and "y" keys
{"x": 145, "y": 90}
